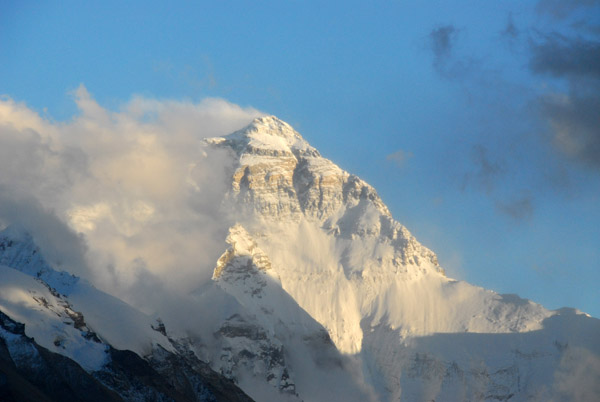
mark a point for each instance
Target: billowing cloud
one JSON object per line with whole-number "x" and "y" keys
{"x": 61, "y": 246}
{"x": 133, "y": 185}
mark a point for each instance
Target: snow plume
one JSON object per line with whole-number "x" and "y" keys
{"x": 133, "y": 186}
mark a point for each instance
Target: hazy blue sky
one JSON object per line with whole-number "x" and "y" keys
{"x": 478, "y": 122}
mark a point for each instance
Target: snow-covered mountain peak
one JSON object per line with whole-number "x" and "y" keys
{"x": 337, "y": 251}
{"x": 266, "y": 136}
{"x": 279, "y": 175}
{"x": 272, "y": 125}
{"x": 269, "y": 132}
{"x": 319, "y": 295}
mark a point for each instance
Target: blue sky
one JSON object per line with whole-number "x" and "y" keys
{"x": 477, "y": 122}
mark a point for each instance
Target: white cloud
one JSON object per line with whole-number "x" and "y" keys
{"x": 134, "y": 183}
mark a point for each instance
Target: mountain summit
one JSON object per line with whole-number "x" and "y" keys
{"x": 380, "y": 294}
{"x": 320, "y": 295}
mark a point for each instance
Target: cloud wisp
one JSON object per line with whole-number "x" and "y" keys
{"x": 400, "y": 158}
{"x": 131, "y": 192}
{"x": 519, "y": 209}
{"x": 510, "y": 31}
{"x": 442, "y": 42}
{"x": 486, "y": 171}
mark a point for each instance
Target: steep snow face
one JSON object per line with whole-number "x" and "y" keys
{"x": 271, "y": 339}
{"x": 332, "y": 245}
{"x": 244, "y": 272}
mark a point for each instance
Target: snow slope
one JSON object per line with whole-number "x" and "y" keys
{"x": 268, "y": 339}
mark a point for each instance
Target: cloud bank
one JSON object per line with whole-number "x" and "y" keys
{"x": 128, "y": 198}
